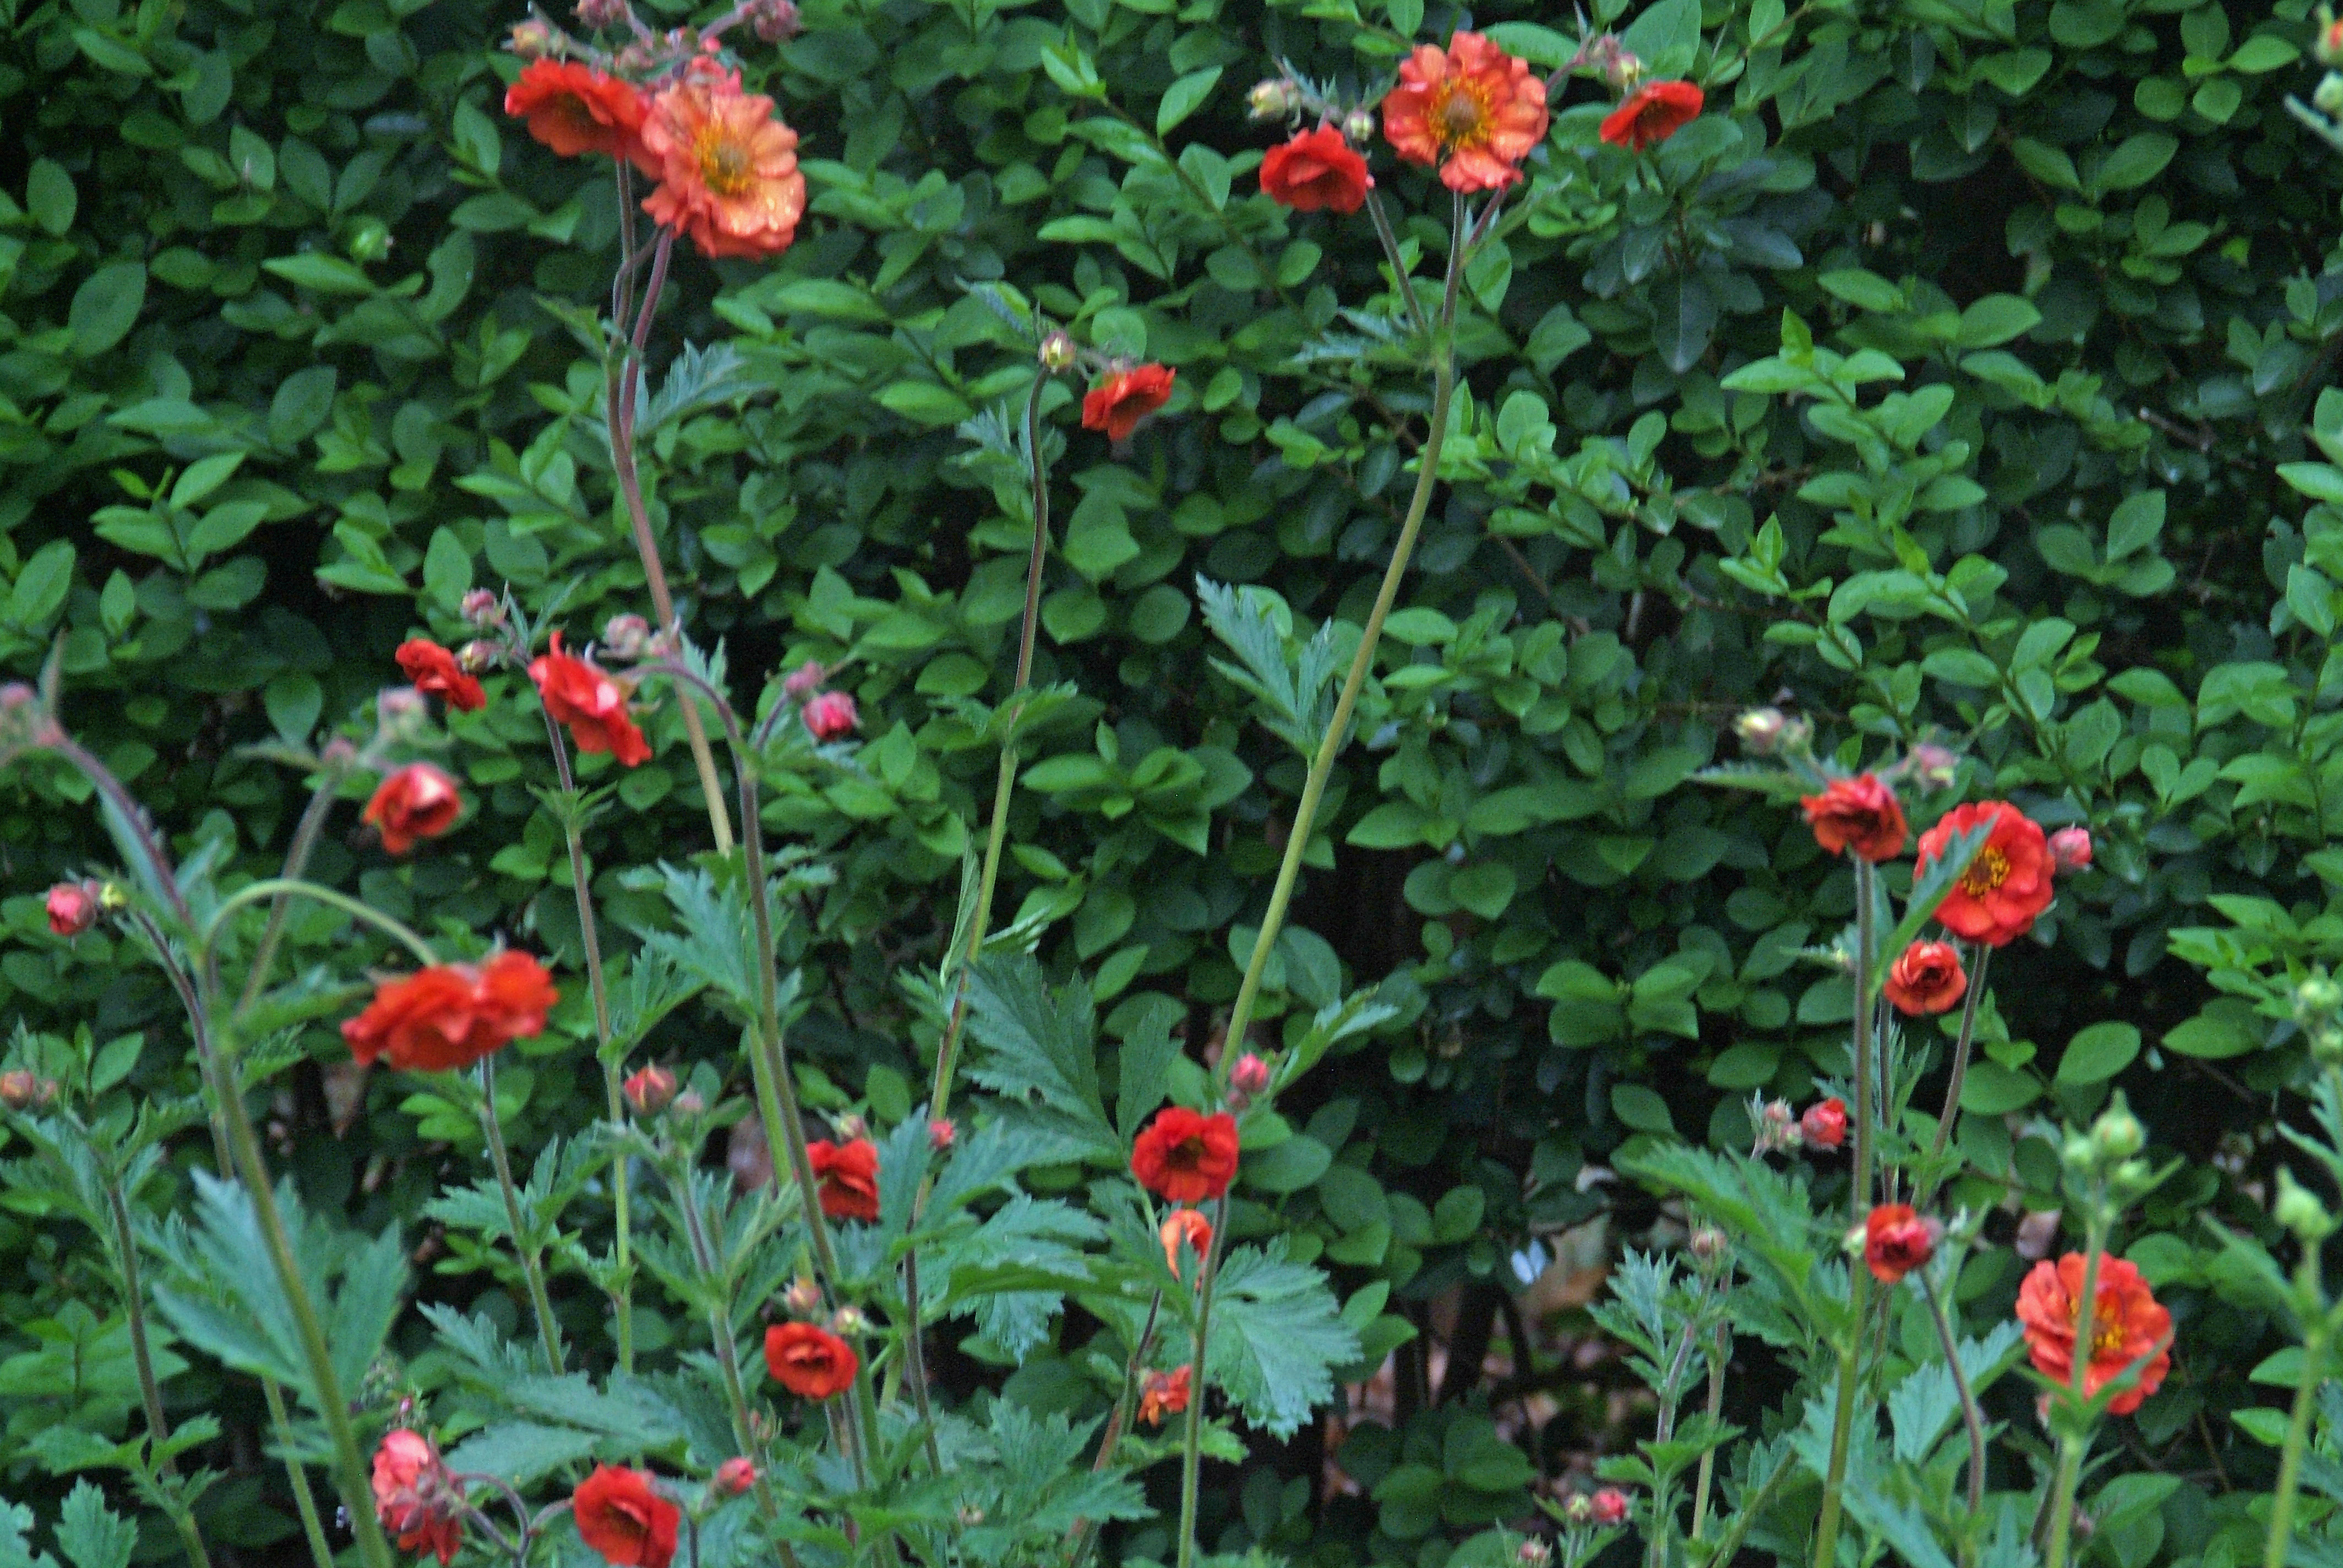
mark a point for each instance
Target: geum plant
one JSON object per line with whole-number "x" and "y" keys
{"x": 873, "y": 1233}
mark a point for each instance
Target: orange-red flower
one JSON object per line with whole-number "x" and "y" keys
{"x": 414, "y": 1498}
{"x": 1860, "y": 814}
{"x": 1164, "y": 1394}
{"x": 448, "y": 1016}
{"x": 2127, "y": 1325}
{"x": 727, "y": 168}
{"x": 574, "y": 108}
{"x": 435, "y": 672}
{"x": 418, "y": 801}
{"x": 621, "y": 1516}
{"x": 1823, "y": 1126}
{"x": 1119, "y": 403}
{"x": 1187, "y": 1228}
{"x": 1186, "y": 1157}
{"x": 2006, "y": 886}
{"x": 1651, "y": 113}
{"x": 1926, "y": 977}
{"x": 1896, "y": 1239}
{"x": 590, "y": 703}
{"x": 810, "y": 1360}
{"x": 849, "y": 1175}
{"x": 1472, "y": 108}
{"x": 1316, "y": 170}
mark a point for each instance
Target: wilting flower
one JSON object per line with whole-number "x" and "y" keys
{"x": 1860, "y": 814}
{"x": 1316, "y": 170}
{"x": 593, "y": 705}
{"x": 1896, "y": 1239}
{"x": 1119, "y": 403}
{"x": 1163, "y": 1393}
{"x": 830, "y": 716}
{"x": 1609, "y": 1506}
{"x": 1823, "y": 1126}
{"x": 1472, "y": 108}
{"x": 727, "y": 168}
{"x": 849, "y": 1175}
{"x": 621, "y": 1516}
{"x": 414, "y": 1498}
{"x": 434, "y": 670}
{"x": 417, "y": 801}
{"x": 2127, "y": 1325}
{"x": 810, "y": 1360}
{"x": 1651, "y": 113}
{"x": 648, "y": 1090}
{"x": 1186, "y": 1228}
{"x": 735, "y": 1476}
{"x": 448, "y": 1016}
{"x": 1186, "y": 1157}
{"x": 1925, "y": 978}
{"x": 73, "y": 908}
{"x": 2070, "y": 848}
{"x": 2008, "y": 883}
{"x": 574, "y": 108}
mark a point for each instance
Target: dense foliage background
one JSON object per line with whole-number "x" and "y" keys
{"x": 1949, "y": 380}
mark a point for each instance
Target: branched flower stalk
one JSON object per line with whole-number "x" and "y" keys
{"x": 1867, "y": 916}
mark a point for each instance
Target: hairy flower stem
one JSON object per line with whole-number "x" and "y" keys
{"x": 532, "y": 1262}
{"x": 2071, "y": 1449}
{"x": 1859, "y": 1291}
{"x": 619, "y": 411}
{"x": 142, "y": 1357}
{"x": 1961, "y": 1047}
{"x": 1191, "y": 1446}
{"x": 1970, "y": 1417}
{"x": 1080, "y": 1539}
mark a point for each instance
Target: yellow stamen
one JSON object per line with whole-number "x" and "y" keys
{"x": 725, "y": 166}
{"x": 1989, "y": 870}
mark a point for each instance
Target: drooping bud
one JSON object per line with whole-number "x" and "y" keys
{"x": 830, "y": 716}
{"x": 1058, "y": 353}
{"x": 2070, "y": 848}
{"x": 476, "y": 656}
{"x": 20, "y": 1089}
{"x": 73, "y": 908}
{"x": 1249, "y": 1075}
{"x": 1760, "y": 731}
{"x": 624, "y": 637}
{"x": 775, "y": 21}
{"x": 650, "y": 1090}
{"x": 482, "y": 607}
{"x": 2118, "y": 1134}
{"x": 851, "y": 1127}
{"x": 803, "y": 681}
{"x": 1273, "y": 99}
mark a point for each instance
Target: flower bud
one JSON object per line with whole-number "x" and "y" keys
{"x": 2317, "y": 997}
{"x": 689, "y": 1103}
{"x": 1708, "y": 1244}
{"x": 531, "y": 39}
{"x": 1359, "y": 125}
{"x": 650, "y": 1090}
{"x": 483, "y": 609}
{"x": 476, "y": 656}
{"x": 20, "y": 1089}
{"x": 775, "y": 21}
{"x": 803, "y": 1298}
{"x": 1579, "y": 1510}
{"x": 1610, "y": 1506}
{"x": 339, "y": 753}
{"x": 1534, "y": 1552}
{"x": 1761, "y": 729}
{"x": 1823, "y": 1125}
{"x": 2070, "y": 848}
{"x": 399, "y": 712}
{"x": 971, "y": 1515}
{"x": 830, "y": 716}
{"x": 1058, "y": 352}
{"x": 851, "y": 1127}
{"x": 1273, "y": 99}
{"x": 2328, "y": 95}
{"x": 600, "y": 14}
{"x": 1932, "y": 765}
{"x": 848, "y": 1322}
{"x": 73, "y": 908}
{"x": 1776, "y": 1124}
{"x": 803, "y": 681}
{"x": 735, "y": 1476}
{"x": 2079, "y": 1154}
{"x": 1249, "y": 1075}
{"x": 624, "y": 637}
{"x": 941, "y": 1134}
{"x": 2328, "y": 46}
{"x": 2118, "y": 1134}
{"x": 2299, "y": 1210}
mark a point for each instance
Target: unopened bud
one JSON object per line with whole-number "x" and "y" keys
{"x": 1760, "y": 731}
{"x": 650, "y": 1090}
{"x": 399, "y": 711}
{"x": 2079, "y": 1154}
{"x": 848, "y": 1322}
{"x": 600, "y": 14}
{"x": 1058, "y": 352}
{"x": 803, "y": 681}
{"x": 971, "y": 1515}
{"x": 530, "y": 40}
{"x": 482, "y": 608}
{"x": 1359, "y": 125}
{"x": 476, "y": 656}
{"x": 803, "y": 1298}
{"x": 941, "y": 1134}
{"x": 1534, "y": 1552}
{"x": 1579, "y": 1510}
{"x": 689, "y": 1103}
{"x": 2328, "y": 46}
{"x": 1610, "y": 1506}
{"x": 1273, "y": 99}
{"x": 2317, "y": 997}
{"x": 339, "y": 753}
{"x": 851, "y": 1127}
{"x": 2118, "y": 1134}
{"x": 1708, "y": 1244}
{"x": 1249, "y": 1075}
{"x": 2299, "y": 1210}
{"x": 2070, "y": 848}
{"x": 623, "y": 636}
{"x": 73, "y": 908}
{"x": 775, "y": 21}
{"x": 1933, "y": 765}
{"x": 735, "y": 1476}
{"x": 2328, "y": 94}
{"x": 20, "y": 1089}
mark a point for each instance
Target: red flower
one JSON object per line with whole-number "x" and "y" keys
{"x": 830, "y": 716}
{"x": 590, "y": 703}
{"x": 2006, "y": 886}
{"x": 849, "y": 1175}
{"x": 450, "y": 1015}
{"x": 1188, "y": 1228}
{"x": 1316, "y": 170}
{"x": 1119, "y": 403}
{"x": 1926, "y": 977}
{"x": 73, "y": 908}
{"x": 1186, "y": 1157}
{"x": 1472, "y": 108}
{"x": 728, "y": 167}
{"x": 2127, "y": 1325}
{"x": 574, "y": 108}
{"x": 1860, "y": 814}
{"x": 809, "y": 1361}
{"x": 414, "y": 1497}
{"x": 1164, "y": 1394}
{"x": 436, "y": 673}
{"x": 1823, "y": 1126}
{"x": 621, "y": 1516}
{"x": 2070, "y": 848}
{"x": 1896, "y": 1240}
{"x": 1651, "y": 113}
{"x": 418, "y": 801}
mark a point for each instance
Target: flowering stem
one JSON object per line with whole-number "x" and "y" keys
{"x": 297, "y": 861}
{"x": 1085, "y": 1531}
{"x": 280, "y": 886}
{"x": 1961, "y": 1045}
{"x": 2315, "y": 1347}
{"x": 1191, "y": 1446}
{"x": 1859, "y": 1278}
{"x": 133, "y": 819}
{"x": 532, "y": 1266}
{"x": 1970, "y": 1417}
{"x": 150, "y": 1393}
{"x": 1715, "y": 1408}
{"x": 2071, "y": 1449}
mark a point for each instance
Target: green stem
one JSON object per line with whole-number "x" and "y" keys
{"x": 1961, "y": 1046}
{"x": 150, "y": 1391}
{"x": 1191, "y": 1446}
{"x": 297, "y": 861}
{"x": 274, "y": 887}
{"x": 1085, "y": 1531}
{"x": 2072, "y": 1449}
{"x": 1970, "y": 1416}
{"x": 2298, "y": 1434}
{"x": 1715, "y": 1408}
{"x": 1859, "y": 1291}
{"x": 532, "y": 1265}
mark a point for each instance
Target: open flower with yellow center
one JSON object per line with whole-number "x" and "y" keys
{"x": 1472, "y": 108}
{"x": 2005, "y": 885}
{"x": 729, "y": 175}
{"x": 2129, "y": 1327}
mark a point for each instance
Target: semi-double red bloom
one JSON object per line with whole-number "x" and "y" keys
{"x": 849, "y": 1175}
{"x": 590, "y": 703}
{"x": 1861, "y": 814}
{"x": 417, "y": 801}
{"x": 436, "y": 673}
{"x": 1317, "y": 170}
{"x": 574, "y": 108}
{"x": 1119, "y": 403}
{"x": 1188, "y": 1228}
{"x": 1651, "y": 113}
{"x": 1925, "y": 978}
{"x": 2128, "y": 1326}
{"x": 810, "y": 1360}
{"x": 1470, "y": 108}
{"x": 447, "y": 1017}
{"x": 1897, "y": 1239}
{"x": 727, "y": 167}
{"x": 415, "y": 1499}
{"x": 1185, "y": 1156}
{"x": 622, "y": 1516}
{"x": 2008, "y": 883}
{"x": 1823, "y": 1126}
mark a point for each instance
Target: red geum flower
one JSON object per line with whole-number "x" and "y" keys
{"x": 727, "y": 168}
{"x": 2127, "y": 1325}
{"x": 621, "y": 1516}
{"x": 1896, "y": 1239}
{"x": 1609, "y": 1506}
{"x": 414, "y": 1498}
{"x": 810, "y": 1360}
{"x": 849, "y": 1175}
{"x": 1860, "y": 814}
{"x": 448, "y": 1016}
{"x": 417, "y": 801}
{"x": 1651, "y": 113}
{"x": 574, "y": 108}
{"x": 1163, "y": 1393}
{"x": 2006, "y": 886}
{"x": 1925, "y": 978}
{"x": 830, "y": 716}
{"x": 1185, "y": 1227}
{"x": 735, "y": 1476}
{"x": 590, "y": 703}
{"x": 1823, "y": 1126}
{"x": 1317, "y": 170}
{"x": 1119, "y": 403}
{"x": 1186, "y": 1157}
{"x": 1472, "y": 108}
{"x": 2070, "y": 848}
{"x": 649, "y": 1089}
{"x": 73, "y": 908}
{"x": 435, "y": 672}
